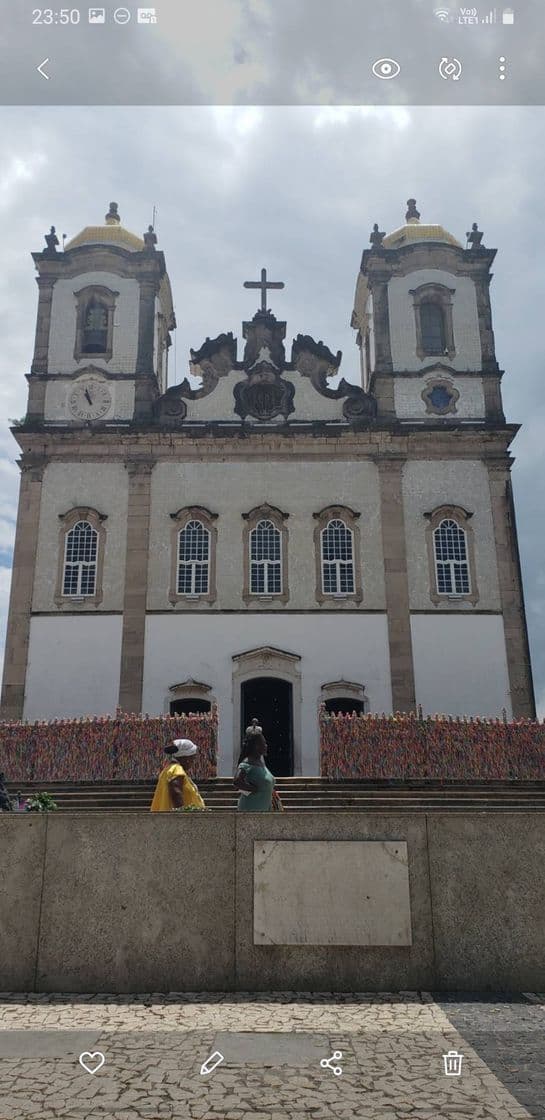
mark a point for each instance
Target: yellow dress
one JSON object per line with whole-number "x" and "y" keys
{"x": 161, "y": 799}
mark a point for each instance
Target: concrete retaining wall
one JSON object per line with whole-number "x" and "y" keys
{"x": 132, "y": 903}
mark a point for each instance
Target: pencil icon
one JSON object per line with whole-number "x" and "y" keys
{"x": 211, "y": 1063}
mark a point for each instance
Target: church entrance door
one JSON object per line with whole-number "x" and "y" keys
{"x": 269, "y": 699}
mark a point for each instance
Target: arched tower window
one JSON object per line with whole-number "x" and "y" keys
{"x": 193, "y": 556}
{"x": 451, "y": 555}
{"x": 432, "y": 325}
{"x": 265, "y": 559}
{"x": 95, "y": 330}
{"x": 433, "y": 320}
{"x": 265, "y": 543}
{"x": 95, "y": 308}
{"x": 193, "y": 559}
{"x": 81, "y": 557}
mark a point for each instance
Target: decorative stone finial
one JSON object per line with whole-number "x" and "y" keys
{"x": 412, "y": 215}
{"x": 150, "y": 238}
{"x": 51, "y": 241}
{"x": 112, "y": 217}
{"x": 377, "y": 237}
{"x": 475, "y": 237}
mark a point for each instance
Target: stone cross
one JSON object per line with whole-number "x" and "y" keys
{"x": 264, "y": 284}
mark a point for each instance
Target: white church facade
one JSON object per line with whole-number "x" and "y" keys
{"x": 266, "y": 537}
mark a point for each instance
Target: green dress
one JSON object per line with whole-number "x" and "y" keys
{"x": 261, "y": 801}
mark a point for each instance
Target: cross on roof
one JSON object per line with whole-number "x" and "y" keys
{"x": 264, "y": 284}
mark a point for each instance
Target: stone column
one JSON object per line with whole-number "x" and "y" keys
{"x": 397, "y": 586}
{"x": 136, "y": 585}
{"x": 22, "y": 586}
{"x": 511, "y": 593}
{"x": 145, "y": 384}
{"x": 381, "y": 322}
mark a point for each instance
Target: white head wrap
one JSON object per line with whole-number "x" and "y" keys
{"x": 184, "y": 749}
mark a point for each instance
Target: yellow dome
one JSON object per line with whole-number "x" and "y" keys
{"x": 112, "y": 233}
{"x": 414, "y": 231}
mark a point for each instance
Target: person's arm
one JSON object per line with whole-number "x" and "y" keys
{"x": 242, "y": 782}
{"x": 176, "y": 790}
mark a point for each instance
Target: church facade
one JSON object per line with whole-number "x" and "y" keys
{"x": 266, "y": 536}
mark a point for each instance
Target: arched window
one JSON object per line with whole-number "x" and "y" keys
{"x": 187, "y": 706}
{"x": 95, "y": 308}
{"x": 95, "y": 329}
{"x": 337, "y": 558}
{"x": 432, "y": 327}
{"x": 342, "y": 704}
{"x": 433, "y": 320}
{"x": 265, "y": 559}
{"x": 193, "y": 556}
{"x": 80, "y": 560}
{"x": 193, "y": 559}
{"x": 451, "y": 559}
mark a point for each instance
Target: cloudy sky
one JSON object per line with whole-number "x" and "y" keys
{"x": 296, "y": 190}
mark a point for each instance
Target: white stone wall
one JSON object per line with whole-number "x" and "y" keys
{"x": 354, "y": 647}
{"x": 403, "y": 321}
{"x": 309, "y": 403}
{"x": 101, "y": 486}
{"x": 410, "y": 405}
{"x": 58, "y": 392}
{"x": 297, "y": 488}
{"x": 73, "y": 667}
{"x": 63, "y": 323}
{"x": 429, "y": 484}
{"x": 460, "y": 664}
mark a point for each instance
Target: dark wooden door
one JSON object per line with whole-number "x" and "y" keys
{"x": 269, "y": 700}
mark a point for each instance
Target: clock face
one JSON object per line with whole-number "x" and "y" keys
{"x": 90, "y": 399}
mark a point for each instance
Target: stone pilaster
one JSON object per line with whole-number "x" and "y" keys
{"x": 146, "y": 389}
{"x": 381, "y": 322}
{"x": 136, "y": 585}
{"x": 22, "y": 586}
{"x": 397, "y": 586}
{"x": 511, "y": 593}
{"x": 46, "y": 284}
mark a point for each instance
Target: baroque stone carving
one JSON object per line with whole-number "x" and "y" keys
{"x": 316, "y": 361}
{"x": 264, "y": 397}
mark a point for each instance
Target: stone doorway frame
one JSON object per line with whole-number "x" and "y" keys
{"x": 267, "y": 661}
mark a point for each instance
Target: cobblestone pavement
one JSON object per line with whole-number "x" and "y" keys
{"x": 392, "y": 1057}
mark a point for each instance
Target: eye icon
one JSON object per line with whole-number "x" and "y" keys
{"x": 386, "y": 68}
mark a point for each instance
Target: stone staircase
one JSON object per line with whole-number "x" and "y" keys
{"x": 311, "y": 794}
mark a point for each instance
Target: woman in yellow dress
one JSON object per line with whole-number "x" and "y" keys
{"x": 174, "y": 789}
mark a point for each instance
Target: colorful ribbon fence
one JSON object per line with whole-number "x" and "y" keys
{"x": 405, "y": 746}
{"x": 126, "y": 747}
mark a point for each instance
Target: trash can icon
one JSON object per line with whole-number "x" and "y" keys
{"x": 453, "y": 1063}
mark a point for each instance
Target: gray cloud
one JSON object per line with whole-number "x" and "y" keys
{"x": 296, "y": 190}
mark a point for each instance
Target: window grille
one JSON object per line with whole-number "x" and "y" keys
{"x": 451, "y": 559}
{"x": 337, "y": 559}
{"x": 80, "y": 560}
{"x": 193, "y": 559}
{"x": 265, "y": 559}
{"x": 432, "y": 327}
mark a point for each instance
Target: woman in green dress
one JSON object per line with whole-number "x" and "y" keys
{"x": 253, "y": 779}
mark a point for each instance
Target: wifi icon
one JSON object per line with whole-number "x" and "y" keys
{"x": 443, "y": 14}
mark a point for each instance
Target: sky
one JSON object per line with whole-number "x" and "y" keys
{"x": 295, "y": 190}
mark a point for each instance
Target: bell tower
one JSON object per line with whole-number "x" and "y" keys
{"x": 423, "y": 317}
{"x": 105, "y": 315}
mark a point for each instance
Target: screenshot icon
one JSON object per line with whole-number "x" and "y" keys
{"x": 97, "y": 15}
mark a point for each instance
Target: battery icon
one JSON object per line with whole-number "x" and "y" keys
{"x": 508, "y": 15}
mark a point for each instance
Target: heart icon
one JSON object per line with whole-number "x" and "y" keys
{"x": 92, "y": 1062}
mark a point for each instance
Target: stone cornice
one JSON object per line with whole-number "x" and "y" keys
{"x": 411, "y": 442}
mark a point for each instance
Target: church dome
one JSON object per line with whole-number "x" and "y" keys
{"x": 414, "y": 231}
{"x": 112, "y": 233}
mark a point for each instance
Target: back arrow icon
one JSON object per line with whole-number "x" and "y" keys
{"x": 41, "y": 70}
